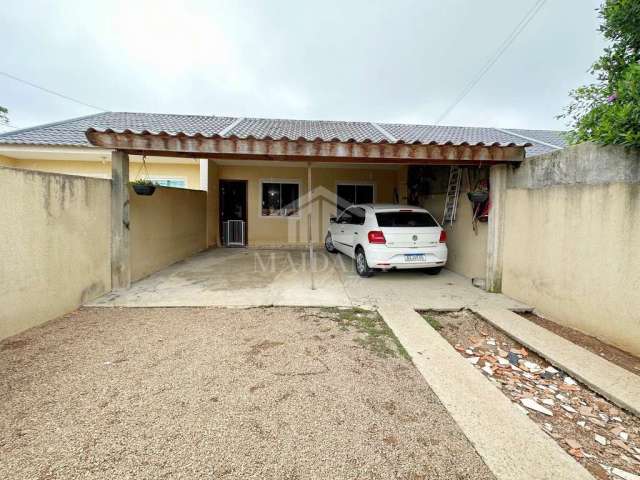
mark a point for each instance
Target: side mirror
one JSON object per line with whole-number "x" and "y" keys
{"x": 332, "y": 219}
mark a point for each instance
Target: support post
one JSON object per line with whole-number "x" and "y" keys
{"x": 120, "y": 257}
{"x": 204, "y": 174}
{"x": 209, "y": 181}
{"x": 495, "y": 227}
{"x": 309, "y": 229}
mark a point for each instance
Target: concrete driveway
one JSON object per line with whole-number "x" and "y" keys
{"x": 255, "y": 277}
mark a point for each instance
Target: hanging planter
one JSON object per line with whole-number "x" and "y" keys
{"x": 478, "y": 196}
{"x": 480, "y": 193}
{"x": 143, "y": 186}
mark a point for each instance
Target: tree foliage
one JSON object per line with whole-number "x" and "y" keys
{"x": 4, "y": 118}
{"x": 608, "y": 111}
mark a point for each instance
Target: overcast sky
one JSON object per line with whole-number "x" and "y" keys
{"x": 387, "y": 61}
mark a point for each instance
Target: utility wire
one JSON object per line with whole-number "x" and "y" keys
{"x": 495, "y": 57}
{"x": 57, "y": 94}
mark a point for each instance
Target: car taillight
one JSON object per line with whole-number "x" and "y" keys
{"x": 443, "y": 236}
{"x": 376, "y": 236}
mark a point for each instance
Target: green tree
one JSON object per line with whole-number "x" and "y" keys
{"x": 608, "y": 111}
{"x": 4, "y": 115}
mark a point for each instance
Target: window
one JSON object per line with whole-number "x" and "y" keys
{"x": 405, "y": 219}
{"x": 170, "y": 182}
{"x": 345, "y": 218}
{"x": 352, "y": 216}
{"x": 357, "y": 216}
{"x": 280, "y": 199}
{"x": 351, "y": 194}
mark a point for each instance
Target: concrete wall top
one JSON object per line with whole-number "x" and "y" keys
{"x": 586, "y": 164}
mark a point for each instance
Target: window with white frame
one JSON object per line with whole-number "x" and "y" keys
{"x": 280, "y": 198}
{"x": 350, "y": 194}
{"x": 170, "y": 182}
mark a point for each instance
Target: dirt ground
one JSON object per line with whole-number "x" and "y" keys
{"x": 578, "y": 414}
{"x": 220, "y": 393}
{"x": 614, "y": 355}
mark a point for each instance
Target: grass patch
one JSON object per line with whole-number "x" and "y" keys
{"x": 377, "y": 336}
{"x": 432, "y": 321}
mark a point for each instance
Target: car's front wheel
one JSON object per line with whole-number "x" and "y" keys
{"x": 362, "y": 267}
{"x": 328, "y": 244}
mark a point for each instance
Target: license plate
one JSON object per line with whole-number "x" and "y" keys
{"x": 414, "y": 258}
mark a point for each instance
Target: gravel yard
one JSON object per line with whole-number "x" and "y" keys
{"x": 221, "y": 393}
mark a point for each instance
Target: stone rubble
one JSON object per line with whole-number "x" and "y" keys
{"x": 555, "y": 396}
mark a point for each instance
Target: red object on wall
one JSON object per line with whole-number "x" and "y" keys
{"x": 484, "y": 212}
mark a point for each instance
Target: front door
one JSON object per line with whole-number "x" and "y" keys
{"x": 233, "y": 212}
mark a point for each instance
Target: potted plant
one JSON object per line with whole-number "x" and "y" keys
{"x": 480, "y": 193}
{"x": 143, "y": 187}
{"x": 478, "y": 196}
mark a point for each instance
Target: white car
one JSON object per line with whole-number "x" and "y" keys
{"x": 388, "y": 236}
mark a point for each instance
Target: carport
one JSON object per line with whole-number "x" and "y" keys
{"x": 312, "y": 151}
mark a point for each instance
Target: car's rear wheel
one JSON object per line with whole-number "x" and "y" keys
{"x": 328, "y": 244}
{"x": 433, "y": 271}
{"x": 362, "y": 267}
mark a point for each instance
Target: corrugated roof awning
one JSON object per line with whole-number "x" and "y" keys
{"x": 306, "y": 148}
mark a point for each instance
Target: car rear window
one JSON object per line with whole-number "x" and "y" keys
{"x": 405, "y": 219}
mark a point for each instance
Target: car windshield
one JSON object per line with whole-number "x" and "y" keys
{"x": 405, "y": 219}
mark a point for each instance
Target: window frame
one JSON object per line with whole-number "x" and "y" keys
{"x": 156, "y": 178}
{"x": 355, "y": 183}
{"x": 362, "y": 218}
{"x": 281, "y": 181}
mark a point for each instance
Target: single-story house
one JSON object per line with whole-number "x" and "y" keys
{"x": 62, "y": 147}
{"x": 261, "y": 174}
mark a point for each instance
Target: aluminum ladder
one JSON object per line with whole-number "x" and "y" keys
{"x": 453, "y": 193}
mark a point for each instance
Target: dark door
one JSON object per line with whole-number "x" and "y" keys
{"x": 233, "y": 204}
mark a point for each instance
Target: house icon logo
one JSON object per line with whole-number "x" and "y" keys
{"x": 319, "y": 209}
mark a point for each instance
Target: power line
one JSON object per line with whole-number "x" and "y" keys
{"x": 494, "y": 58}
{"x": 57, "y": 94}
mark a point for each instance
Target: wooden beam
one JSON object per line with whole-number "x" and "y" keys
{"x": 303, "y": 150}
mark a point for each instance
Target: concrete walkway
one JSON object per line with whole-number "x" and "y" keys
{"x": 511, "y": 445}
{"x": 252, "y": 277}
{"x": 615, "y": 383}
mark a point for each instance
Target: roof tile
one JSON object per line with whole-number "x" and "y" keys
{"x": 72, "y": 132}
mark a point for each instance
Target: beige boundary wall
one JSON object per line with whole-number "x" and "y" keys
{"x": 56, "y": 234}
{"x": 54, "y": 248}
{"x": 166, "y": 227}
{"x": 467, "y": 248}
{"x": 572, "y": 240}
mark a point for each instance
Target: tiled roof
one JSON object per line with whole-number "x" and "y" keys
{"x": 539, "y": 138}
{"x": 307, "y": 129}
{"x": 454, "y": 135}
{"x": 72, "y": 132}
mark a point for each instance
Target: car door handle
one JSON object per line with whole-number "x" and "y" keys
{"x": 355, "y": 233}
{"x": 341, "y": 231}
